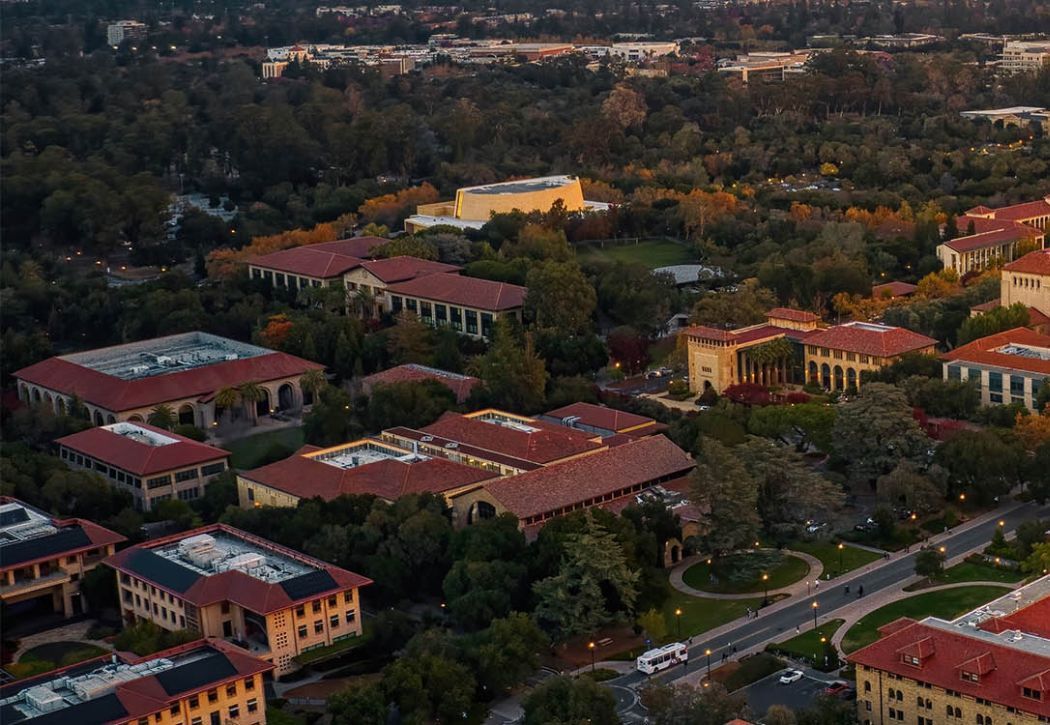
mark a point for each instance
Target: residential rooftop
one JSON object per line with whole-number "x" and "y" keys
{"x": 28, "y": 535}
{"x": 140, "y": 448}
{"x": 218, "y": 562}
{"x": 123, "y": 686}
{"x": 513, "y": 435}
{"x": 365, "y": 466}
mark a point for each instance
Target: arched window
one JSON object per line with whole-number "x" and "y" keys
{"x": 980, "y": 719}
{"x": 867, "y": 686}
{"x": 949, "y": 710}
{"x": 958, "y": 712}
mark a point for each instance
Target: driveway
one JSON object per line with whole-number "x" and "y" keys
{"x": 796, "y": 696}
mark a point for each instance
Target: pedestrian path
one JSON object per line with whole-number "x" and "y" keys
{"x": 816, "y": 568}
{"x": 76, "y": 632}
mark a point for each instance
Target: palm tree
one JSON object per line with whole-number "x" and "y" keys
{"x": 251, "y": 394}
{"x": 313, "y": 382}
{"x": 363, "y": 302}
{"x": 162, "y": 416}
{"x": 228, "y": 399}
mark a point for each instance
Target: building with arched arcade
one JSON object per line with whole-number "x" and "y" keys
{"x": 192, "y": 373}
{"x": 791, "y": 348}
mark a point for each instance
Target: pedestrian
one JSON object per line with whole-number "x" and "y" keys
{"x": 847, "y": 589}
{"x": 860, "y": 591}
{"x": 734, "y": 649}
{"x": 817, "y": 583}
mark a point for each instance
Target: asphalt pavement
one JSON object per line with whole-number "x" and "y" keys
{"x": 767, "y": 627}
{"x": 797, "y": 696}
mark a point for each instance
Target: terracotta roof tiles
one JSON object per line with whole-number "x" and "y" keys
{"x": 544, "y": 443}
{"x": 788, "y": 313}
{"x": 140, "y": 458}
{"x": 1037, "y": 262}
{"x": 400, "y": 269}
{"x": 985, "y": 351}
{"x": 868, "y": 338}
{"x": 461, "y": 385}
{"x": 481, "y": 294}
{"x": 322, "y": 261}
{"x": 600, "y": 416}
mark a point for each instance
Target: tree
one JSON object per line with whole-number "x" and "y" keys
{"x": 876, "y": 430}
{"x": 723, "y": 483}
{"x": 313, "y": 382}
{"x": 1033, "y": 430}
{"x": 946, "y": 398}
{"x": 593, "y": 582}
{"x": 409, "y": 403}
{"x": 802, "y": 426}
{"x": 1039, "y": 474}
{"x": 513, "y": 375}
{"x": 409, "y": 246}
{"x": 410, "y": 341}
{"x": 251, "y": 394}
{"x": 906, "y": 486}
{"x": 653, "y": 624}
{"x": 332, "y": 419}
{"x": 981, "y": 463}
{"x": 506, "y": 653}
{"x": 99, "y": 587}
{"x": 710, "y": 705}
{"x": 746, "y": 306}
{"x": 162, "y": 416}
{"x": 564, "y": 701}
{"x": 625, "y": 107}
{"x": 359, "y": 705}
{"x": 999, "y": 319}
{"x": 779, "y": 715}
{"x": 1038, "y": 562}
{"x": 429, "y": 685}
{"x": 560, "y": 297}
{"x": 790, "y": 492}
{"x": 228, "y": 399}
{"x": 929, "y": 562}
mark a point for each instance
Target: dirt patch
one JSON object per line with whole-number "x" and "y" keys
{"x": 608, "y": 643}
{"x": 324, "y": 689}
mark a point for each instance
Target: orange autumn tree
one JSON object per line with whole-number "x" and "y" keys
{"x": 225, "y": 263}
{"x": 1032, "y": 430}
{"x": 391, "y": 209}
{"x": 277, "y": 329}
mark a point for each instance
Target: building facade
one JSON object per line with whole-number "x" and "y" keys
{"x": 150, "y": 463}
{"x": 836, "y": 356}
{"x": 468, "y": 305}
{"x": 1007, "y": 367}
{"x": 221, "y": 582}
{"x": 995, "y": 236}
{"x": 985, "y": 668}
{"x": 1024, "y": 56}
{"x": 207, "y": 682}
{"x": 186, "y": 372}
{"x": 1026, "y": 281}
{"x": 44, "y": 559}
{"x": 118, "y": 32}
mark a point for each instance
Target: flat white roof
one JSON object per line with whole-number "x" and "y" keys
{"x": 140, "y": 435}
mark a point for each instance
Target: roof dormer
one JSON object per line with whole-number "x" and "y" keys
{"x": 973, "y": 669}
{"x": 916, "y": 653}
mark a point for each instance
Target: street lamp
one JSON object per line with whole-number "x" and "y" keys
{"x": 765, "y": 588}
{"x": 678, "y": 619}
{"x": 962, "y": 497}
{"x": 841, "y": 548}
{"x": 816, "y": 606}
{"x": 823, "y": 649}
{"x": 942, "y": 549}
{"x": 708, "y": 653}
{"x": 1001, "y": 523}
{"x": 590, "y": 646}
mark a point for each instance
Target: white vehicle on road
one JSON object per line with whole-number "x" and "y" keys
{"x": 790, "y": 676}
{"x": 662, "y": 657}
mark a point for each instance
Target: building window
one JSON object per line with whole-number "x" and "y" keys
{"x": 212, "y": 468}
{"x": 1031, "y": 694}
{"x": 425, "y": 311}
{"x": 995, "y": 381}
{"x": 158, "y": 481}
{"x": 334, "y": 620}
{"x": 186, "y": 475}
{"x": 174, "y": 710}
{"x": 954, "y": 372}
{"x": 300, "y": 611}
{"x": 235, "y": 711}
{"x": 196, "y": 721}
{"x": 302, "y": 631}
{"x": 213, "y": 695}
{"x": 195, "y": 702}
{"x": 472, "y": 322}
{"x": 396, "y": 303}
{"x": 253, "y": 705}
{"x": 351, "y": 616}
{"x": 318, "y": 627}
{"x": 410, "y": 304}
{"x": 231, "y": 690}
{"x": 995, "y": 397}
{"x": 348, "y": 597}
{"x": 249, "y": 683}
{"x": 441, "y": 314}
{"x": 316, "y": 605}
{"x": 1017, "y": 385}
{"x": 456, "y": 314}
{"x": 486, "y": 324}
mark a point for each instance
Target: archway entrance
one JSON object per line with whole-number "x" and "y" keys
{"x": 285, "y": 397}
{"x": 186, "y": 415}
{"x": 480, "y": 510}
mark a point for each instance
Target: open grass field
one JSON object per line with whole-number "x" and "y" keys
{"x": 789, "y": 570}
{"x": 251, "y": 452}
{"x": 968, "y": 571}
{"x": 653, "y": 253}
{"x": 946, "y": 604}
{"x": 828, "y": 553}
{"x": 807, "y": 646}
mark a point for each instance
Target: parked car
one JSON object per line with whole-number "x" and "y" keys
{"x": 790, "y": 676}
{"x": 838, "y": 689}
{"x": 816, "y": 526}
{"x": 866, "y": 525}
{"x": 702, "y": 406}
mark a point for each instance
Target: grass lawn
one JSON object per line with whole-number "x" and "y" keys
{"x": 656, "y": 253}
{"x": 251, "y": 452}
{"x": 62, "y": 653}
{"x": 750, "y": 669}
{"x": 340, "y": 647}
{"x": 808, "y": 645}
{"x": 789, "y": 570}
{"x": 947, "y": 604}
{"x": 828, "y": 553}
{"x": 969, "y": 571}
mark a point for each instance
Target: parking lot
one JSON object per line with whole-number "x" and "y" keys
{"x": 798, "y": 695}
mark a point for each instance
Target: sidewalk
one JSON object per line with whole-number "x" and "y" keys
{"x": 816, "y": 568}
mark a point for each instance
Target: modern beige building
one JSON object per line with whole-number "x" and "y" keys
{"x": 475, "y": 205}
{"x": 988, "y": 667}
{"x": 1024, "y": 56}
{"x": 207, "y": 681}
{"x": 43, "y": 560}
{"x": 221, "y": 582}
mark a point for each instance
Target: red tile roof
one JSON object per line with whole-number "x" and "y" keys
{"x": 600, "y": 416}
{"x": 1037, "y": 262}
{"x": 236, "y": 586}
{"x": 945, "y": 654}
{"x": 983, "y": 351}
{"x": 991, "y": 233}
{"x": 461, "y": 385}
{"x": 114, "y": 394}
{"x": 481, "y": 294}
{"x": 644, "y": 461}
{"x": 895, "y": 289}
{"x": 440, "y": 442}
{"x": 389, "y": 479}
{"x": 545, "y": 444}
{"x": 400, "y": 269}
{"x": 140, "y": 458}
{"x": 97, "y": 535}
{"x": 987, "y": 306}
{"x": 708, "y": 333}
{"x": 1024, "y": 211}
{"x": 1033, "y": 619}
{"x": 787, "y": 313}
{"x": 746, "y": 334}
{"x": 324, "y": 260}
{"x": 867, "y": 338}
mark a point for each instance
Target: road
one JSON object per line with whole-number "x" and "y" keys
{"x": 755, "y": 632}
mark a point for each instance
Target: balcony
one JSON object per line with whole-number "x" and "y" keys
{"x": 26, "y": 586}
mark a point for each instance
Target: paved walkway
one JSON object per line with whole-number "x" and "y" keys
{"x": 816, "y": 568}
{"x": 880, "y": 600}
{"x": 76, "y": 632}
